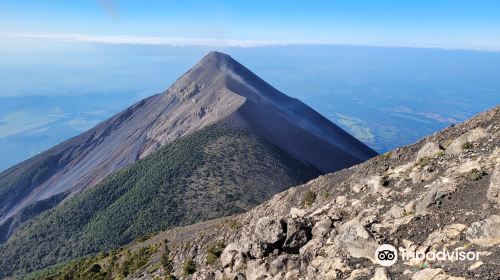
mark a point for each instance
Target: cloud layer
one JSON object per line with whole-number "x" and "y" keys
{"x": 216, "y": 42}
{"x": 155, "y": 40}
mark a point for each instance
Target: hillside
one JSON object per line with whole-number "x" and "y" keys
{"x": 216, "y": 90}
{"x": 214, "y": 172}
{"x": 442, "y": 192}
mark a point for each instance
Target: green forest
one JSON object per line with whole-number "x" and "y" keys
{"x": 214, "y": 172}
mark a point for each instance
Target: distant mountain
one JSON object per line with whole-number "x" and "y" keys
{"x": 219, "y": 141}
{"x": 217, "y": 89}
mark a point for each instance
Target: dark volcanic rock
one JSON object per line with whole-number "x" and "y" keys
{"x": 297, "y": 235}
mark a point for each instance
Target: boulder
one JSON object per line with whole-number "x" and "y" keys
{"x": 336, "y": 264}
{"x": 361, "y": 273}
{"x": 270, "y": 231}
{"x": 293, "y": 275}
{"x": 232, "y": 252}
{"x": 462, "y": 168}
{"x": 428, "y": 150}
{"x": 437, "y": 189}
{"x": 257, "y": 270}
{"x": 297, "y": 235}
{"x": 380, "y": 274}
{"x": 322, "y": 228}
{"x": 278, "y": 265}
{"x": 297, "y": 213}
{"x": 493, "y": 194}
{"x": 418, "y": 176}
{"x": 457, "y": 145}
{"x": 445, "y": 236}
{"x": 486, "y": 232}
{"x": 356, "y": 241}
{"x": 309, "y": 251}
{"x": 396, "y": 212}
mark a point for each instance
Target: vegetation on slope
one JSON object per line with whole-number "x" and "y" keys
{"x": 18, "y": 181}
{"x": 27, "y": 213}
{"x": 118, "y": 263}
{"x": 214, "y": 172}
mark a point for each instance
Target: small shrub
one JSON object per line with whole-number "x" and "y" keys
{"x": 140, "y": 239}
{"x": 387, "y": 155}
{"x": 467, "y": 146}
{"x": 134, "y": 261}
{"x": 424, "y": 161}
{"x": 211, "y": 259}
{"x": 216, "y": 249}
{"x": 189, "y": 267}
{"x": 327, "y": 195}
{"x": 309, "y": 198}
{"x": 234, "y": 224}
{"x": 475, "y": 174}
{"x": 214, "y": 252}
{"x": 406, "y": 214}
{"x": 166, "y": 261}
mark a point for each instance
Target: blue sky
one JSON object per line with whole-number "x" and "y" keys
{"x": 441, "y": 23}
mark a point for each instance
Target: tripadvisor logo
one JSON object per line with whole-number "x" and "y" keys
{"x": 387, "y": 255}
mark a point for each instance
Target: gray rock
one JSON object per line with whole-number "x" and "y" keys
{"x": 361, "y": 273}
{"x": 278, "y": 265}
{"x": 230, "y": 253}
{"x": 437, "y": 189}
{"x": 297, "y": 213}
{"x": 486, "y": 232}
{"x": 356, "y": 241}
{"x": 309, "y": 251}
{"x": 380, "y": 274}
{"x": 428, "y": 150}
{"x": 298, "y": 233}
{"x": 457, "y": 146}
{"x": 321, "y": 228}
{"x": 270, "y": 231}
{"x": 257, "y": 270}
{"x": 396, "y": 212}
{"x": 493, "y": 194}
{"x": 259, "y": 249}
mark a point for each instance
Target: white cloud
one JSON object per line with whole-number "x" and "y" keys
{"x": 82, "y": 124}
{"x": 214, "y": 42}
{"x": 152, "y": 40}
{"x": 23, "y": 121}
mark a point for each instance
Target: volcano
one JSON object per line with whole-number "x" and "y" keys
{"x": 216, "y": 91}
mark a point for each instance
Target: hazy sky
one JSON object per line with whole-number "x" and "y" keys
{"x": 443, "y": 23}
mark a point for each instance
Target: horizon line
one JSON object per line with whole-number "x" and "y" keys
{"x": 226, "y": 42}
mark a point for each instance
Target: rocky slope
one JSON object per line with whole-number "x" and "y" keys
{"x": 216, "y": 90}
{"x": 440, "y": 193}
